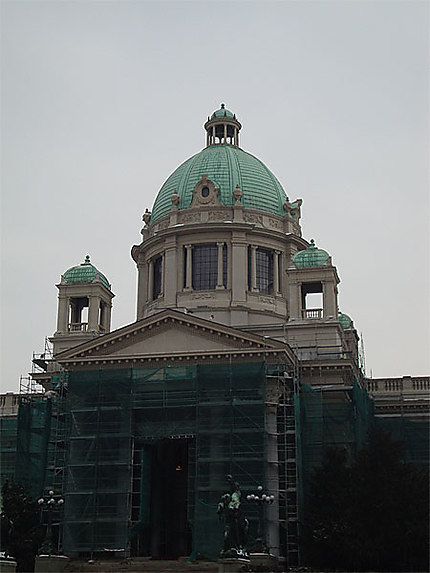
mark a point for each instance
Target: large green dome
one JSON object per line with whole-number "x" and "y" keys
{"x": 85, "y": 273}
{"x": 227, "y": 166}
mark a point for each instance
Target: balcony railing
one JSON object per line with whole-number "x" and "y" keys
{"x": 312, "y": 313}
{"x": 78, "y": 326}
{"x": 399, "y": 385}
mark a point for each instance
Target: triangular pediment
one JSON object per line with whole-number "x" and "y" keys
{"x": 168, "y": 335}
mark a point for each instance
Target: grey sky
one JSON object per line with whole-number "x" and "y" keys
{"x": 101, "y": 101}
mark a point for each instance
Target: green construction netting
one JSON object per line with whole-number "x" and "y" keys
{"x": 33, "y": 443}
{"x": 8, "y": 434}
{"x": 120, "y": 423}
{"x": 129, "y": 439}
{"x": 324, "y": 421}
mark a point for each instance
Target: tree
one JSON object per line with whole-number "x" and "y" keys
{"x": 24, "y": 532}
{"x": 370, "y": 515}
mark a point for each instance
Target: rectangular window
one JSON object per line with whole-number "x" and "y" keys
{"x": 156, "y": 291}
{"x": 265, "y": 271}
{"x": 205, "y": 267}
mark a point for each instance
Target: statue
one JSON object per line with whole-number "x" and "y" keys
{"x": 236, "y": 525}
{"x": 146, "y": 217}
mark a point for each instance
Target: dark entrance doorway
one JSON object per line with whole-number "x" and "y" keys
{"x": 170, "y": 532}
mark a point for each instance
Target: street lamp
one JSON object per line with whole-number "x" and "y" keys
{"x": 49, "y": 502}
{"x": 261, "y": 500}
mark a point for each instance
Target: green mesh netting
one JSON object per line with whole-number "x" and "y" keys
{"x": 33, "y": 442}
{"x": 8, "y": 437}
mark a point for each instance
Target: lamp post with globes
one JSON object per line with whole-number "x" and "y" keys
{"x": 49, "y": 502}
{"x": 261, "y": 500}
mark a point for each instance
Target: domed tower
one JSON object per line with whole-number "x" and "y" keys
{"x": 220, "y": 236}
{"x": 84, "y": 306}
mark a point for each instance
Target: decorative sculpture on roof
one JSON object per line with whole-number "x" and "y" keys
{"x": 175, "y": 200}
{"x": 237, "y": 195}
{"x": 146, "y": 217}
{"x": 293, "y": 209}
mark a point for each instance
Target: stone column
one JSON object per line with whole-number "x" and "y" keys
{"x": 239, "y": 277}
{"x": 150, "y": 279}
{"x": 189, "y": 269}
{"x": 220, "y": 275}
{"x": 163, "y": 259}
{"x": 93, "y": 313}
{"x": 225, "y": 133}
{"x": 108, "y": 312}
{"x": 63, "y": 313}
{"x": 142, "y": 288}
{"x": 170, "y": 272}
{"x": 229, "y": 264}
{"x": 329, "y": 299}
{"x": 253, "y": 268}
{"x": 294, "y": 299}
{"x": 276, "y": 272}
{"x": 213, "y": 134}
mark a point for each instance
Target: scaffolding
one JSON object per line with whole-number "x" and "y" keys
{"x": 8, "y": 431}
{"x": 141, "y": 454}
{"x": 210, "y": 421}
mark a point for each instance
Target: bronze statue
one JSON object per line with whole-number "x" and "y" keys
{"x": 236, "y": 525}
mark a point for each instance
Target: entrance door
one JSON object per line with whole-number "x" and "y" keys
{"x": 170, "y": 537}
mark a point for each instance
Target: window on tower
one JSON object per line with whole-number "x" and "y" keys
{"x": 263, "y": 270}
{"x": 204, "y": 266}
{"x": 156, "y": 291}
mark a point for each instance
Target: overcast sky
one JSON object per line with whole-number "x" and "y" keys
{"x": 101, "y": 101}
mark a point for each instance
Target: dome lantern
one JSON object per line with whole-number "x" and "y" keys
{"x": 222, "y": 128}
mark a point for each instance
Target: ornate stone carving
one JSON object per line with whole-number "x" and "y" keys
{"x": 218, "y": 215}
{"x": 202, "y": 295}
{"x": 205, "y": 193}
{"x": 191, "y": 218}
{"x": 252, "y": 218}
{"x": 275, "y": 223}
{"x": 266, "y": 300}
{"x": 162, "y": 225}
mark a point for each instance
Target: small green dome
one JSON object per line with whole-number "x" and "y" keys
{"x": 345, "y": 321}
{"x": 222, "y": 112}
{"x": 311, "y": 257}
{"x": 85, "y": 273}
{"x": 227, "y": 166}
